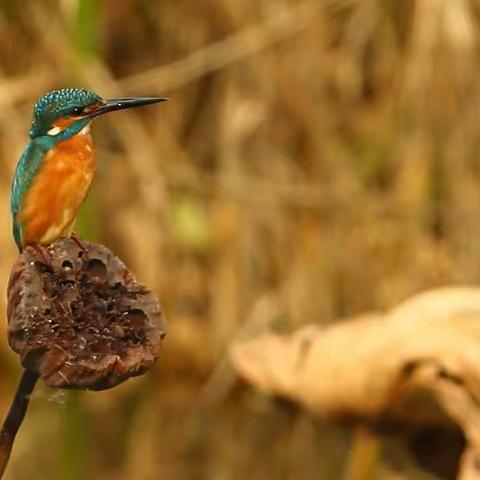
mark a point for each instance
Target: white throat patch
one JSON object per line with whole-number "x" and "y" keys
{"x": 85, "y": 130}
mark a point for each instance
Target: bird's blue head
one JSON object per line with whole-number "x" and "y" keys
{"x": 65, "y": 112}
{"x": 60, "y": 108}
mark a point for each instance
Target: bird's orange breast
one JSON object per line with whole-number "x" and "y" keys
{"x": 49, "y": 208}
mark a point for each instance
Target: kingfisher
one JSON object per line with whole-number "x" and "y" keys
{"x": 54, "y": 174}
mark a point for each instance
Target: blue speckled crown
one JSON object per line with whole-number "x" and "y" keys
{"x": 57, "y": 104}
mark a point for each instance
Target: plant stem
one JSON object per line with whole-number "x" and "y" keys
{"x": 15, "y": 417}
{"x": 364, "y": 455}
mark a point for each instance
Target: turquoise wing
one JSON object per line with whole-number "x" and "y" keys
{"x": 27, "y": 167}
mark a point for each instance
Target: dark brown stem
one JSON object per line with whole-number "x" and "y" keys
{"x": 15, "y": 417}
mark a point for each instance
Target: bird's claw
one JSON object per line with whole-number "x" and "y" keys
{"x": 42, "y": 251}
{"x": 78, "y": 241}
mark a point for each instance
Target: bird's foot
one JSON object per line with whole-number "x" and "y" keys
{"x": 78, "y": 241}
{"x": 42, "y": 251}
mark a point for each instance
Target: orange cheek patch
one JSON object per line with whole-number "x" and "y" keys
{"x": 93, "y": 108}
{"x": 67, "y": 121}
{"x": 64, "y": 122}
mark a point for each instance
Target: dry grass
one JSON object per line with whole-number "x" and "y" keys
{"x": 317, "y": 159}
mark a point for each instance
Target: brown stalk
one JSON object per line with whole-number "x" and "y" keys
{"x": 15, "y": 416}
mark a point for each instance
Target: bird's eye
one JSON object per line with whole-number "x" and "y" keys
{"x": 77, "y": 111}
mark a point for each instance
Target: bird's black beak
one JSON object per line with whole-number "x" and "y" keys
{"x": 124, "y": 103}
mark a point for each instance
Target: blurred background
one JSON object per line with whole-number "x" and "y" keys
{"x": 318, "y": 158}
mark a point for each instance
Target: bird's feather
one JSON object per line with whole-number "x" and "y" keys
{"x": 28, "y": 166}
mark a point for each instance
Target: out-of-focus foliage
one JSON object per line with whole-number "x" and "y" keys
{"x": 317, "y": 158}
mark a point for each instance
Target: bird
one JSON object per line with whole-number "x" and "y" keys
{"x": 54, "y": 174}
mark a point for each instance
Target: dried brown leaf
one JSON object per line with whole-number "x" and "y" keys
{"x": 364, "y": 367}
